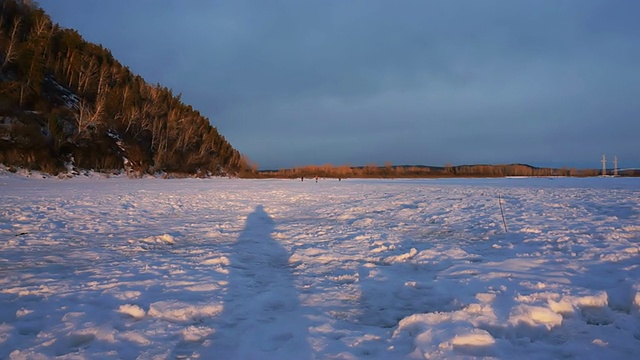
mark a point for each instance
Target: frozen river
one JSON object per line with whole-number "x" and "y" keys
{"x": 282, "y": 269}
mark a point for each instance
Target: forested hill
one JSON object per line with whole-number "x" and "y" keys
{"x": 66, "y": 101}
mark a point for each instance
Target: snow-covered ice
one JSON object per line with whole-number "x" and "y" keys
{"x": 283, "y": 269}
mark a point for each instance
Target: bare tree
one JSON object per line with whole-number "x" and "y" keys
{"x": 88, "y": 116}
{"x": 68, "y": 73}
{"x": 88, "y": 73}
{"x": 102, "y": 78}
{"x": 12, "y": 49}
{"x": 131, "y": 117}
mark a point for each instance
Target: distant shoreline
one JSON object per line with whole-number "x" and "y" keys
{"x": 309, "y": 173}
{"x": 425, "y": 171}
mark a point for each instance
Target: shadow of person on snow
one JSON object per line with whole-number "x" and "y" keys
{"x": 262, "y": 317}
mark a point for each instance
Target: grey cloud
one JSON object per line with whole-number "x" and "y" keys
{"x": 297, "y": 82}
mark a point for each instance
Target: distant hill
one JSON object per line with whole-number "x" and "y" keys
{"x": 423, "y": 171}
{"x": 65, "y": 103}
{"x": 628, "y": 172}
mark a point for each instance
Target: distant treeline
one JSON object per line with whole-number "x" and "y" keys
{"x": 64, "y": 100}
{"x": 412, "y": 171}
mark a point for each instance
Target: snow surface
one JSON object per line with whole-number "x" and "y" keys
{"x": 282, "y": 269}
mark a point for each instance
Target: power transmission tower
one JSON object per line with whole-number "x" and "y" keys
{"x": 615, "y": 166}
{"x": 604, "y": 165}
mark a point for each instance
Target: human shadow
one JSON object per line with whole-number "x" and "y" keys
{"x": 262, "y": 316}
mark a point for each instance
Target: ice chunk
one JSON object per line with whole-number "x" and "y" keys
{"x": 177, "y": 311}
{"x": 535, "y": 316}
{"x": 477, "y": 337}
{"x": 134, "y": 311}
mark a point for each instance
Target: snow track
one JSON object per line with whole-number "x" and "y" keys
{"x": 276, "y": 269}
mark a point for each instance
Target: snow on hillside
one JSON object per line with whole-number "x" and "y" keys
{"x": 281, "y": 269}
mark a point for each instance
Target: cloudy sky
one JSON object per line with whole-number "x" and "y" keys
{"x": 289, "y": 83}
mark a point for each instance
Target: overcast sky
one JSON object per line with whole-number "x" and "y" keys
{"x": 289, "y": 83}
